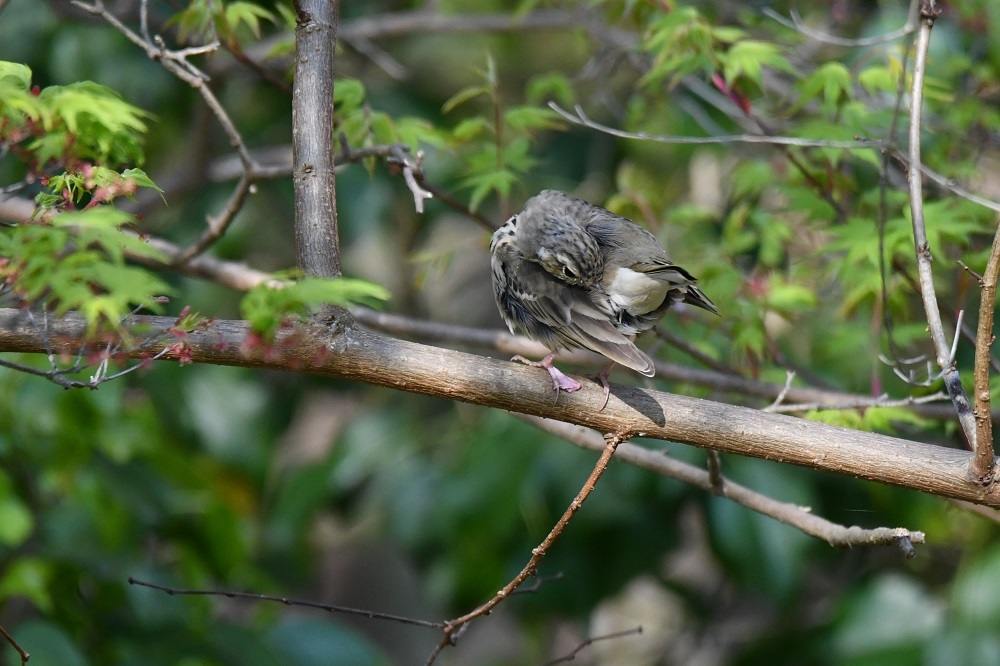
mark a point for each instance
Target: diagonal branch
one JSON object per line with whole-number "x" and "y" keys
{"x": 953, "y": 383}
{"x": 357, "y": 355}
{"x": 177, "y": 64}
{"x": 454, "y": 628}
{"x": 798, "y": 517}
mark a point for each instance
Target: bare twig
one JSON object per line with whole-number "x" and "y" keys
{"x": 253, "y": 596}
{"x": 780, "y": 398}
{"x": 454, "y": 628}
{"x": 928, "y": 13}
{"x": 862, "y": 403}
{"x": 410, "y": 167}
{"x": 175, "y": 62}
{"x": 590, "y": 641}
{"x": 216, "y": 225}
{"x": 796, "y": 23}
{"x": 20, "y": 650}
{"x": 682, "y": 344}
{"x": 983, "y": 466}
{"x": 798, "y": 517}
{"x": 579, "y": 117}
{"x": 392, "y": 67}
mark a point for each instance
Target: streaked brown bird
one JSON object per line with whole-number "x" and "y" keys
{"x": 569, "y": 274}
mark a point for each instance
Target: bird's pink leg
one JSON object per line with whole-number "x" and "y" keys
{"x": 559, "y": 380}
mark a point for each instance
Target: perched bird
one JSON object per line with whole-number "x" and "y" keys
{"x": 569, "y": 274}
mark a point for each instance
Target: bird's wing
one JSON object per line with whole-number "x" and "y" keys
{"x": 571, "y": 316}
{"x": 682, "y": 283}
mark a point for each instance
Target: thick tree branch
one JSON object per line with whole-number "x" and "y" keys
{"x": 722, "y": 382}
{"x": 316, "y": 235}
{"x": 358, "y": 355}
{"x": 953, "y": 383}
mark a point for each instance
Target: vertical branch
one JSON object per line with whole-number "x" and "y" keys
{"x": 312, "y": 138}
{"x": 928, "y": 14}
{"x": 982, "y": 466}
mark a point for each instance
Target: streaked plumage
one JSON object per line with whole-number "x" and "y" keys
{"x": 569, "y": 274}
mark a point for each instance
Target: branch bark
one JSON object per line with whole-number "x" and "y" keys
{"x": 358, "y": 355}
{"x": 316, "y": 235}
{"x": 982, "y": 468}
{"x": 791, "y": 514}
{"x": 953, "y": 383}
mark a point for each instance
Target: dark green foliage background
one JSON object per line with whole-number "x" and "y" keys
{"x": 193, "y": 476}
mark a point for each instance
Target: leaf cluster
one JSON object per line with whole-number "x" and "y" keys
{"x": 67, "y": 125}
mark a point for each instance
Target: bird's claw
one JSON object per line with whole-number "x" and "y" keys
{"x": 560, "y": 381}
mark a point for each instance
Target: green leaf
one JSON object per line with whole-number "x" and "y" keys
{"x": 748, "y": 57}
{"x": 525, "y": 118}
{"x": 470, "y": 128}
{"x": 16, "y": 520}
{"x": 266, "y": 307}
{"x": 879, "y": 78}
{"x": 16, "y": 72}
{"x": 348, "y": 95}
{"x": 28, "y": 577}
{"x": 463, "y": 96}
{"x": 831, "y": 80}
{"x": 139, "y": 177}
{"x": 247, "y": 14}
{"x": 552, "y": 85}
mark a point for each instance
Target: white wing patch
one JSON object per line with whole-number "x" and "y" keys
{"x": 636, "y": 292}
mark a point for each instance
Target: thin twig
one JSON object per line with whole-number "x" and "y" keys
{"x": 579, "y": 117}
{"x": 682, "y": 344}
{"x": 789, "y": 378}
{"x": 177, "y": 64}
{"x": 410, "y": 167}
{"x": 10, "y": 639}
{"x": 590, "y": 641}
{"x": 454, "y": 628}
{"x": 863, "y": 403}
{"x": 795, "y": 23}
{"x": 330, "y": 608}
{"x": 928, "y": 14}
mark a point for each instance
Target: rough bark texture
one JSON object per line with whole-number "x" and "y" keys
{"x": 312, "y": 138}
{"x": 359, "y": 355}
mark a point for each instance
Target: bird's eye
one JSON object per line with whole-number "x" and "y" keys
{"x": 568, "y": 272}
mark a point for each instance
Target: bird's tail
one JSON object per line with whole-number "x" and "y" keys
{"x": 697, "y": 297}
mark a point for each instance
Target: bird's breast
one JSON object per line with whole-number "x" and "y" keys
{"x": 635, "y": 292}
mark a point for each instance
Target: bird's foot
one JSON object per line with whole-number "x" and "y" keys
{"x": 602, "y": 379}
{"x": 560, "y": 381}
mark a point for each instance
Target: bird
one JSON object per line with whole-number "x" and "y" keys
{"x": 569, "y": 274}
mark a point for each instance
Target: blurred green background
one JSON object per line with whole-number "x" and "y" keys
{"x": 204, "y": 477}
